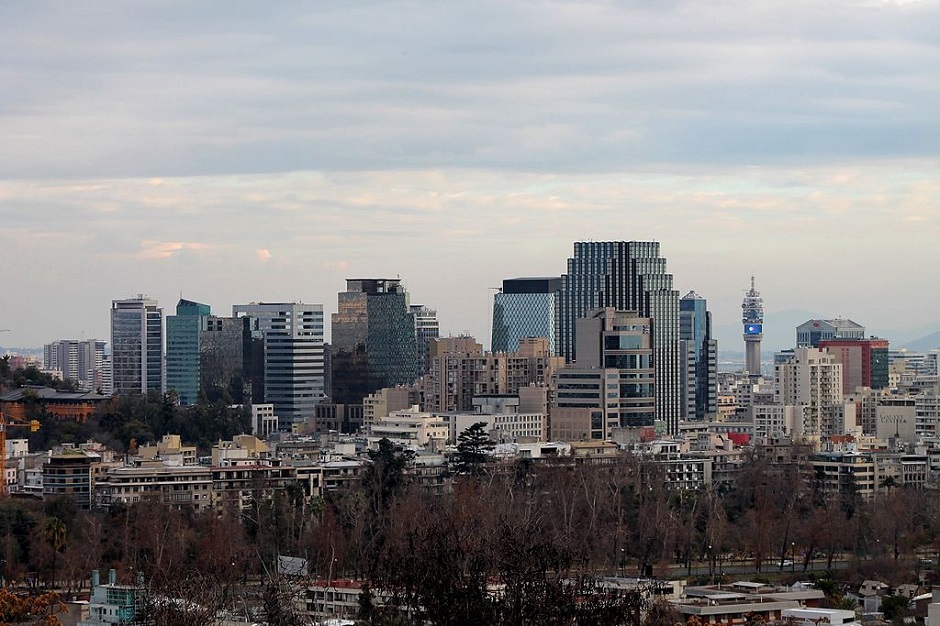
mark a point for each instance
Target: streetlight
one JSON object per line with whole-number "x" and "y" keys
{"x": 623, "y": 562}
{"x": 792, "y": 557}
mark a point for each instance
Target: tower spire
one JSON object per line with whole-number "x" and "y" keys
{"x": 753, "y": 319}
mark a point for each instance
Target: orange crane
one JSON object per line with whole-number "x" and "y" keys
{"x": 33, "y": 426}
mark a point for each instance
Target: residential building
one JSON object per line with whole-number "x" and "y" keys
{"x": 70, "y": 474}
{"x": 627, "y": 276}
{"x": 137, "y": 346}
{"x": 170, "y": 448}
{"x": 292, "y": 336}
{"x": 157, "y": 481}
{"x": 373, "y": 343}
{"x": 525, "y": 307}
{"x": 81, "y": 361}
{"x": 183, "y": 349}
{"x": 411, "y": 428}
{"x": 699, "y": 352}
{"x": 379, "y": 404}
{"x": 811, "y": 378}
{"x": 864, "y": 362}
{"x": 456, "y": 377}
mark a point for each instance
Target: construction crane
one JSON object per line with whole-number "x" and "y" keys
{"x": 33, "y": 426}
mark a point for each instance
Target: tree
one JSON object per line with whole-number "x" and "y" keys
{"x": 38, "y": 609}
{"x": 473, "y": 448}
{"x": 55, "y": 534}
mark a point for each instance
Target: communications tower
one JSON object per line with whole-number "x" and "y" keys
{"x": 753, "y": 319}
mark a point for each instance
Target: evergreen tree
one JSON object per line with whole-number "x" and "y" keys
{"x": 473, "y": 449}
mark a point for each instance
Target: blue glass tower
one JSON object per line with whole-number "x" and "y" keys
{"x": 183, "y": 332}
{"x": 700, "y": 358}
{"x": 525, "y": 307}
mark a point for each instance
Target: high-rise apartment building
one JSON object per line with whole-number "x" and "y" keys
{"x": 525, "y": 307}
{"x": 373, "y": 339}
{"x": 292, "y": 335}
{"x": 811, "y": 378}
{"x": 183, "y": 340}
{"x": 79, "y": 360}
{"x": 627, "y": 276}
{"x": 459, "y": 370}
{"x": 752, "y": 316}
{"x": 427, "y": 327}
{"x": 137, "y": 345}
{"x": 699, "y": 357}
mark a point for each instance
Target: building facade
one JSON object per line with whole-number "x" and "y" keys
{"x": 427, "y": 327}
{"x": 525, "y": 307}
{"x": 292, "y": 336}
{"x": 811, "y": 332}
{"x": 373, "y": 343}
{"x": 137, "y": 346}
{"x": 183, "y": 338}
{"x": 79, "y": 360}
{"x": 627, "y": 276}
{"x": 699, "y": 358}
{"x": 864, "y": 362}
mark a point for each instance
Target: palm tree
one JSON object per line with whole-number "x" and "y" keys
{"x": 55, "y": 533}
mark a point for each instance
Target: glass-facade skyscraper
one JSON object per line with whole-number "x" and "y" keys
{"x": 525, "y": 307}
{"x": 137, "y": 345}
{"x": 427, "y": 327}
{"x": 627, "y": 276}
{"x": 373, "y": 339}
{"x": 292, "y": 336}
{"x": 183, "y": 335}
{"x": 700, "y": 358}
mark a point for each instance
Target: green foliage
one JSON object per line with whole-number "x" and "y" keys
{"x": 385, "y": 476}
{"x": 894, "y": 606}
{"x": 473, "y": 449}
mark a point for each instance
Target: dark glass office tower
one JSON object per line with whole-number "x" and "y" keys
{"x": 627, "y": 276}
{"x": 373, "y": 339}
{"x": 700, "y": 358}
{"x": 525, "y": 307}
{"x": 137, "y": 345}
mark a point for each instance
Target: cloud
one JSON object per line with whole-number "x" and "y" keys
{"x": 150, "y": 249}
{"x": 263, "y": 255}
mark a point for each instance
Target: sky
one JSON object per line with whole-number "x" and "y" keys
{"x": 245, "y": 151}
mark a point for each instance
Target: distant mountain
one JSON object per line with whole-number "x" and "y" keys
{"x": 929, "y": 342}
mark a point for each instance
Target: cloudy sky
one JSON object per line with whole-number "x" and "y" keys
{"x": 239, "y": 151}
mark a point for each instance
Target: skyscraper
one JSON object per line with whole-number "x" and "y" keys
{"x": 700, "y": 358}
{"x": 373, "y": 342}
{"x": 427, "y": 327}
{"x": 753, "y": 319}
{"x": 183, "y": 340}
{"x": 627, "y": 276}
{"x": 137, "y": 345}
{"x": 622, "y": 340}
{"x": 292, "y": 333}
{"x": 525, "y": 307}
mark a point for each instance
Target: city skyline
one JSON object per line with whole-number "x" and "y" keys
{"x": 237, "y": 153}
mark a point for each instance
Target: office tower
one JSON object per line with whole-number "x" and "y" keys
{"x": 136, "y": 346}
{"x": 524, "y": 307}
{"x": 292, "y": 336}
{"x": 427, "y": 327}
{"x": 864, "y": 362}
{"x": 373, "y": 343}
{"x": 700, "y": 358}
{"x": 231, "y": 360}
{"x": 79, "y": 360}
{"x": 753, "y": 319}
{"x": 627, "y": 276}
{"x": 811, "y": 332}
{"x": 183, "y": 336}
{"x": 622, "y": 340}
